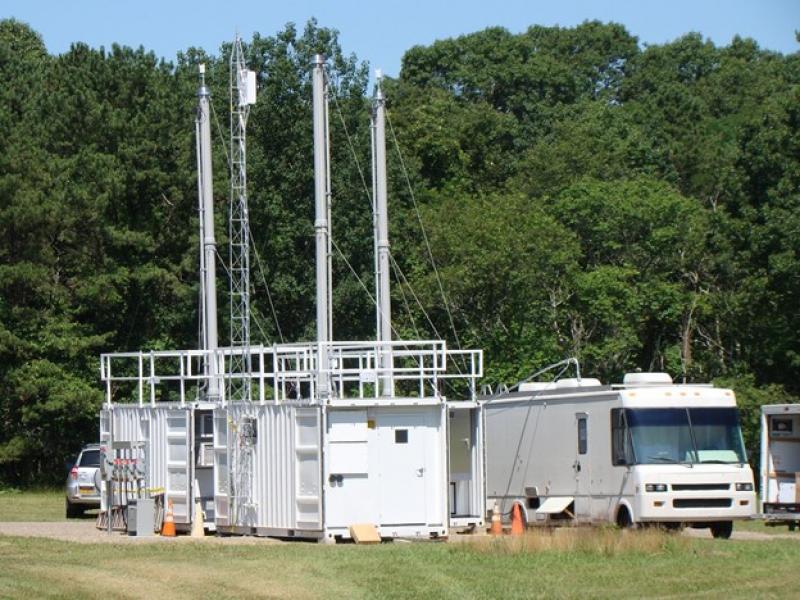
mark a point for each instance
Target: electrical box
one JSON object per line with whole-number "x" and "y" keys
{"x": 205, "y": 457}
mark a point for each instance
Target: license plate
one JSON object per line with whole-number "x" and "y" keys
{"x": 86, "y": 490}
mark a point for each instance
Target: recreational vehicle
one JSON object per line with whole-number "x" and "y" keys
{"x": 306, "y": 439}
{"x": 780, "y": 464}
{"x": 646, "y": 451}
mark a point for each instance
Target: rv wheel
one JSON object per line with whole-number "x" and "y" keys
{"x": 722, "y": 529}
{"x": 624, "y": 520}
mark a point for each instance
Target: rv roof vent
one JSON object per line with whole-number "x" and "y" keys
{"x": 536, "y": 386}
{"x": 647, "y": 379}
{"x": 578, "y": 383}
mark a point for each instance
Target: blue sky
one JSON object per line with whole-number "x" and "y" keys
{"x": 380, "y": 32}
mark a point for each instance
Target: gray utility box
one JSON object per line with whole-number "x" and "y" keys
{"x": 141, "y": 517}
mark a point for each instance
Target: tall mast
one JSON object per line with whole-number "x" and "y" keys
{"x": 321, "y": 204}
{"x": 381, "y": 221}
{"x": 209, "y": 249}
{"x": 242, "y": 87}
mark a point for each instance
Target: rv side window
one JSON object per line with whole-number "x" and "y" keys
{"x": 582, "y": 441}
{"x": 620, "y": 453}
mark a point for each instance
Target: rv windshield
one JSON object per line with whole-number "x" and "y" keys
{"x": 681, "y": 435}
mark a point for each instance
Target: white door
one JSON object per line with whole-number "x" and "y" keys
{"x": 308, "y": 493}
{"x": 465, "y": 452}
{"x": 105, "y": 447}
{"x": 178, "y": 488}
{"x": 582, "y": 467}
{"x": 350, "y": 477}
{"x": 402, "y": 443}
{"x": 221, "y": 470}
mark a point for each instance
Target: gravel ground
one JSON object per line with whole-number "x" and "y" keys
{"x": 84, "y": 531}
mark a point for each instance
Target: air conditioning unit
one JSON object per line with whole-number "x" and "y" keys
{"x": 205, "y": 457}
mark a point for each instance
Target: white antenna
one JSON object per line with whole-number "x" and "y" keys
{"x": 243, "y": 95}
{"x": 322, "y": 212}
{"x": 381, "y": 221}
{"x": 207, "y": 238}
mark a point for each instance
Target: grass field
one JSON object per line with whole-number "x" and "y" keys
{"x": 577, "y": 563}
{"x": 35, "y": 505}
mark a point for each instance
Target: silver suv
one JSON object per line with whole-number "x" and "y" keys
{"x": 83, "y": 482}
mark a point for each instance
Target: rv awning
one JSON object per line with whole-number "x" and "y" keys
{"x": 553, "y": 506}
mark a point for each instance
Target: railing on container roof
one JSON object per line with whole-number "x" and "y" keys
{"x": 289, "y": 371}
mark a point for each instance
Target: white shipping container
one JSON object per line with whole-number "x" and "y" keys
{"x": 411, "y": 465}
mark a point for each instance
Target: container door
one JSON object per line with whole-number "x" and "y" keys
{"x": 350, "y": 484}
{"x": 308, "y": 492}
{"x": 467, "y": 492}
{"x": 582, "y": 467}
{"x": 105, "y": 448}
{"x": 402, "y": 446}
{"x": 221, "y": 470}
{"x": 178, "y": 488}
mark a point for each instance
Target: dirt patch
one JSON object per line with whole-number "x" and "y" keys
{"x": 84, "y": 531}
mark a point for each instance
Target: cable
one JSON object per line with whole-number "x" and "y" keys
{"x": 261, "y": 329}
{"x": 422, "y": 308}
{"x": 416, "y": 298}
{"x": 424, "y": 233}
{"x": 360, "y": 281}
{"x": 351, "y": 146}
{"x": 266, "y": 286}
{"x": 221, "y": 137}
{"x": 405, "y": 300}
{"x": 250, "y": 234}
{"x": 419, "y": 218}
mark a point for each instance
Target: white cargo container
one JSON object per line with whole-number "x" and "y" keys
{"x": 780, "y": 463}
{"x": 290, "y": 465}
{"x": 646, "y": 451}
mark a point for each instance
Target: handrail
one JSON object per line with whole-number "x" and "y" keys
{"x": 284, "y": 372}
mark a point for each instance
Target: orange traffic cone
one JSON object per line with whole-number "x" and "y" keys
{"x": 497, "y": 525}
{"x": 168, "y": 529}
{"x": 517, "y": 527}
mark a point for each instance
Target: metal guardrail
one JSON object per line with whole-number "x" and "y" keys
{"x": 290, "y": 371}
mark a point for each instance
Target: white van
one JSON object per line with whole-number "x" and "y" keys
{"x": 646, "y": 451}
{"x": 780, "y": 464}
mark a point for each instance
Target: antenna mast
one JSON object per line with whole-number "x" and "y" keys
{"x": 243, "y": 94}
{"x": 380, "y": 206}
{"x": 209, "y": 244}
{"x": 321, "y": 225}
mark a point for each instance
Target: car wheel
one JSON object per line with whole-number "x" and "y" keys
{"x": 722, "y": 529}
{"x": 73, "y": 510}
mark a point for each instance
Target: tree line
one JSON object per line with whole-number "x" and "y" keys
{"x": 581, "y": 195}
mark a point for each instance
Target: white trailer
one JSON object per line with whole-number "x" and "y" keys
{"x": 291, "y": 465}
{"x": 780, "y": 464}
{"x": 646, "y": 451}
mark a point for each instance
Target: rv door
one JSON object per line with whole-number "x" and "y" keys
{"x": 582, "y": 467}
